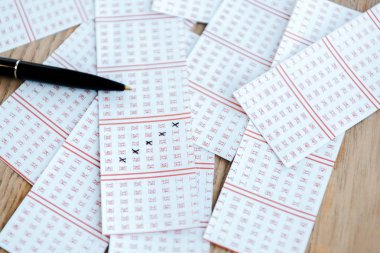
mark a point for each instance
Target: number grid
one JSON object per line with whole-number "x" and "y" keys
{"x": 37, "y": 118}
{"x": 265, "y": 206}
{"x": 271, "y": 207}
{"x": 347, "y": 76}
{"x": 196, "y": 10}
{"x": 148, "y": 178}
{"x": 28, "y": 20}
{"x": 62, "y": 210}
{"x": 238, "y": 45}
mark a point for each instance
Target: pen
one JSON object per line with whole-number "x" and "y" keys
{"x": 54, "y": 75}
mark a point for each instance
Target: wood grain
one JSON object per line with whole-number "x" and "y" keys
{"x": 349, "y": 219}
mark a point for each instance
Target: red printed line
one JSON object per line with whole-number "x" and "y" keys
{"x": 243, "y": 49}
{"x": 84, "y": 223}
{"x": 309, "y": 158}
{"x": 215, "y": 94}
{"x": 41, "y": 113}
{"x": 142, "y": 65}
{"x": 268, "y": 204}
{"x": 299, "y": 92}
{"x": 142, "y": 69}
{"x": 123, "y": 179}
{"x": 27, "y": 19}
{"x": 204, "y": 93}
{"x": 141, "y": 173}
{"x": 270, "y": 7}
{"x": 296, "y": 35}
{"x": 253, "y": 137}
{"x": 148, "y": 117}
{"x": 133, "y": 15}
{"x": 323, "y": 158}
{"x": 69, "y": 220}
{"x": 254, "y": 133}
{"x": 267, "y": 9}
{"x": 64, "y": 137}
{"x": 79, "y": 10}
{"x": 275, "y": 202}
{"x": 353, "y": 73}
{"x": 373, "y": 13}
{"x": 80, "y": 150}
{"x": 16, "y": 170}
{"x": 378, "y": 27}
{"x": 72, "y": 151}
{"x": 141, "y": 122}
{"x": 84, "y": 10}
{"x": 238, "y": 51}
{"x": 22, "y": 20}
{"x": 299, "y": 41}
{"x": 189, "y": 24}
{"x": 305, "y": 107}
{"x": 135, "y": 19}
{"x": 62, "y": 61}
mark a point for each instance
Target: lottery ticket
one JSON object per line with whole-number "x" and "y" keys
{"x": 37, "y": 118}
{"x": 314, "y": 96}
{"x": 285, "y": 200}
{"x": 24, "y": 21}
{"x": 148, "y": 177}
{"x": 238, "y": 45}
{"x": 186, "y": 240}
{"x": 265, "y": 206}
{"x": 197, "y": 10}
{"x": 61, "y": 213}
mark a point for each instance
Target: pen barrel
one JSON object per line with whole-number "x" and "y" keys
{"x": 65, "y": 77}
{"x": 7, "y": 67}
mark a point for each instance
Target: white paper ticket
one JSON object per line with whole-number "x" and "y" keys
{"x": 147, "y": 172}
{"x": 186, "y": 240}
{"x": 61, "y": 213}
{"x": 238, "y": 45}
{"x": 197, "y": 10}
{"x": 319, "y": 93}
{"x": 310, "y": 21}
{"x": 257, "y": 175}
{"x": 24, "y": 21}
{"x": 37, "y": 118}
{"x": 181, "y": 241}
{"x": 266, "y": 207}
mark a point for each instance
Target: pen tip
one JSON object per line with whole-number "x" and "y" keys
{"x": 127, "y": 87}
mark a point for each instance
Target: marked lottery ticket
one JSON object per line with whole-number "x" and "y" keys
{"x": 61, "y": 213}
{"x": 196, "y": 10}
{"x": 148, "y": 177}
{"x": 24, "y": 21}
{"x": 285, "y": 200}
{"x": 237, "y": 46}
{"x": 314, "y": 96}
{"x": 186, "y": 240}
{"x": 37, "y": 118}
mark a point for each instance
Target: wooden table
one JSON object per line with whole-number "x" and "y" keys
{"x": 349, "y": 219}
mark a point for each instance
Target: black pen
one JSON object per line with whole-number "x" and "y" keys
{"x": 54, "y": 75}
